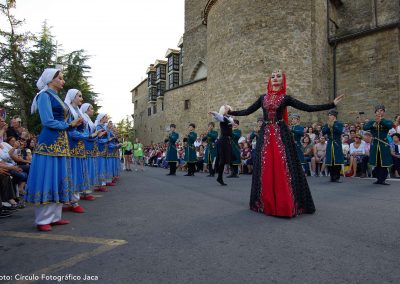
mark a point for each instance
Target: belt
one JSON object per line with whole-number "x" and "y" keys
{"x": 270, "y": 121}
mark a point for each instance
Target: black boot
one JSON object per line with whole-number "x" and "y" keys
{"x": 221, "y": 181}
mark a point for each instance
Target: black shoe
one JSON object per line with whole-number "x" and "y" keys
{"x": 170, "y": 174}
{"x": 9, "y": 208}
{"x": 188, "y": 175}
{"x": 5, "y": 214}
{"x": 230, "y": 176}
{"x": 336, "y": 180}
{"x": 221, "y": 182}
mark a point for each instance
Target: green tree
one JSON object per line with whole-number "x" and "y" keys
{"x": 42, "y": 55}
{"x": 14, "y": 50}
{"x": 125, "y": 127}
{"x": 24, "y": 56}
{"x": 75, "y": 75}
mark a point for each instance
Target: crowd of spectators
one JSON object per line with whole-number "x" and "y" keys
{"x": 355, "y": 145}
{"x": 16, "y": 147}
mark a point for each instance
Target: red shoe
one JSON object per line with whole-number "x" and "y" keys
{"x": 77, "y": 209}
{"x": 102, "y": 189}
{"x": 114, "y": 179}
{"x": 88, "y": 197}
{"x": 110, "y": 184}
{"x": 60, "y": 222}
{"x": 67, "y": 208}
{"x": 44, "y": 228}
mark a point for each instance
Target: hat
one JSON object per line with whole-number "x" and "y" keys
{"x": 333, "y": 112}
{"x": 380, "y": 106}
{"x": 172, "y": 125}
{"x": 294, "y": 116}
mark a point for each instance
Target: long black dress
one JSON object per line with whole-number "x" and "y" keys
{"x": 279, "y": 186}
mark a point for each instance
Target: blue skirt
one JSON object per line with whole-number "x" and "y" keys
{"x": 110, "y": 167}
{"x": 80, "y": 181}
{"x": 93, "y": 174}
{"x": 49, "y": 180}
{"x": 101, "y": 169}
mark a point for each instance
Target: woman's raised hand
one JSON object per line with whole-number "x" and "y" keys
{"x": 338, "y": 99}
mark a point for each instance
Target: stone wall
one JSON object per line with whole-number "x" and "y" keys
{"x": 359, "y": 15}
{"x": 368, "y": 72}
{"x": 245, "y": 45}
{"x": 198, "y": 107}
{"x": 368, "y": 67}
{"x": 148, "y": 128}
{"x": 194, "y": 38}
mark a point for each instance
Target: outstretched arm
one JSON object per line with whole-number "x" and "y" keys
{"x": 255, "y": 106}
{"x": 290, "y": 101}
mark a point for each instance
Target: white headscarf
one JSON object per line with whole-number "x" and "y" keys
{"x": 46, "y": 77}
{"x": 86, "y": 117}
{"x": 69, "y": 97}
{"x": 98, "y": 118}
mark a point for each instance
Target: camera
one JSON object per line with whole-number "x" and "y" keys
{"x": 361, "y": 112}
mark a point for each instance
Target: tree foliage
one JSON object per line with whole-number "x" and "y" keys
{"x": 24, "y": 56}
{"x": 125, "y": 127}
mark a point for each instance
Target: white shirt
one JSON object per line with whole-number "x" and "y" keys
{"x": 394, "y": 130}
{"x": 4, "y": 156}
{"x": 197, "y": 143}
{"x": 360, "y": 149}
{"x": 345, "y": 149}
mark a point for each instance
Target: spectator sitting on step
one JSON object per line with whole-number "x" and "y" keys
{"x": 367, "y": 138}
{"x": 395, "y": 151}
{"x": 319, "y": 156}
{"x": 357, "y": 153}
{"x": 308, "y": 148}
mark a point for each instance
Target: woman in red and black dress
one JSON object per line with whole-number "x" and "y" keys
{"x": 279, "y": 187}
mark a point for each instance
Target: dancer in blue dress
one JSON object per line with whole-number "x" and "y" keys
{"x": 76, "y": 136}
{"x": 49, "y": 181}
{"x": 102, "y": 140}
{"x": 91, "y": 149}
{"x": 110, "y": 181}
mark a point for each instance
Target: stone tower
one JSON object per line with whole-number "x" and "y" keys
{"x": 230, "y": 47}
{"x": 245, "y": 42}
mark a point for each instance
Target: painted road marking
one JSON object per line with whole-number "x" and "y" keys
{"x": 105, "y": 245}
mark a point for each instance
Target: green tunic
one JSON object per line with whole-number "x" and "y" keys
{"x": 380, "y": 132}
{"x": 172, "y": 153}
{"x": 334, "y": 151}
{"x": 236, "y": 134}
{"x": 298, "y": 133}
{"x": 211, "y": 150}
{"x": 190, "y": 150}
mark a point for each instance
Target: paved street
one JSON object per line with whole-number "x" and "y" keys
{"x": 151, "y": 228}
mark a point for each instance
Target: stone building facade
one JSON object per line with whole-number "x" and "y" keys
{"x": 229, "y": 47}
